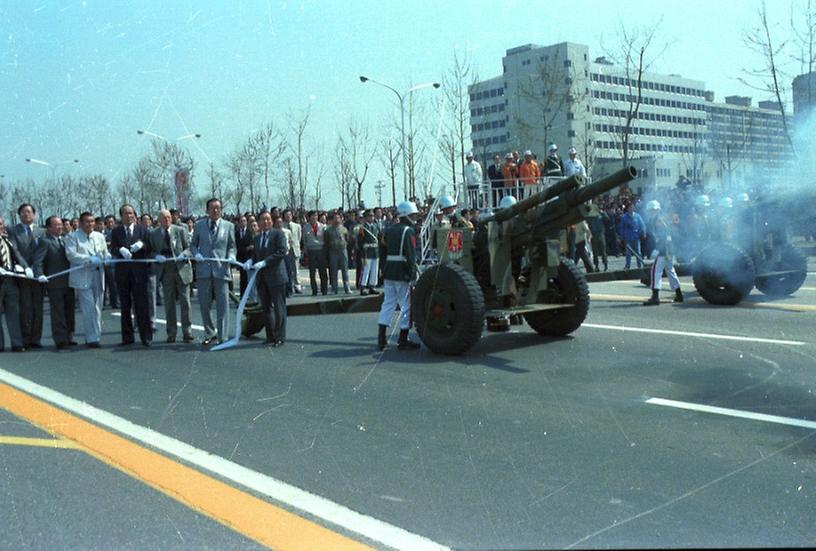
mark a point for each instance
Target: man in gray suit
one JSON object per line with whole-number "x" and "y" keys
{"x": 26, "y": 236}
{"x": 269, "y": 256}
{"x": 213, "y": 237}
{"x": 49, "y": 259}
{"x": 87, "y": 249}
{"x": 10, "y": 259}
{"x": 171, "y": 247}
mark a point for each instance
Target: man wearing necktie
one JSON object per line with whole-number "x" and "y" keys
{"x": 269, "y": 256}
{"x": 50, "y": 259}
{"x": 130, "y": 241}
{"x": 213, "y": 237}
{"x": 10, "y": 258}
{"x": 26, "y": 236}
{"x": 171, "y": 248}
{"x": 243, "y": 245}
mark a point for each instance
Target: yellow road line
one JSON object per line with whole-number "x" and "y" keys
{"x": 38, "y": 442}
{"x": 240, "y": 511}
{"x": 744, "y": 304}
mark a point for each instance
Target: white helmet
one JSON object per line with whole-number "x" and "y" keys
{"x": 702, "y": 201}
{"x": 653, "y": 205}
{"x": 507, "y": 202}
{"x": 726, "y": 203}
{"x": 406, "y": 208}
{"x": 446, "y": 201}
{"x": 743, "y": 197}
{"x": 552, "y": 147}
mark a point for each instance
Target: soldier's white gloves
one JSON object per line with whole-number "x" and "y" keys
{"x": 199, "y": 257}
{"x": 654, "y": 254}
{"x": 126, "y": 254}
{"x": 18, "y": 269}
{"x": 161, "y": 258}
{"x": 29, "y": 273}
{"x": 3, "y": 271}
{"x": 259, "y": 265}
{"x": 136, "y": 247}
{"x": 42, "y": 279}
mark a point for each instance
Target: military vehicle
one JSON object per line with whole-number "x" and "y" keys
{"x": 757, "y": 253}
{"x": 518, "y": 270}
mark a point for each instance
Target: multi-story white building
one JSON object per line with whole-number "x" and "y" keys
{"x": 558, "y": 94}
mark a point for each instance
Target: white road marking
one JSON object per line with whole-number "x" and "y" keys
{"x": 320, "y": 507}
{"x": 734, "y": 413}
{"x": 692, "y": 334}
{"x": 164, "y": 322}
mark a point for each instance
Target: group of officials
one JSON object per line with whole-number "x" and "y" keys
{"x": 71, "y": 268}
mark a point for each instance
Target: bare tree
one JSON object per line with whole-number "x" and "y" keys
{"x": 729, "y": 150}
{"x": 99, "y": 192}
{"x": 359, "y": 154}
{"x": 144, "y": 180}
{"x": 457, "y": 98}
{"x": 547, "y": 90}
{"x": 216, "y": 178}
{"x": 635, "y": 52}
{"x": 389, "y": 155}
{"x": 342, "y": 173}
{"x": 768, "y": 77}
{"x": 271, "y": 146}
{"x": 694, "y": 159}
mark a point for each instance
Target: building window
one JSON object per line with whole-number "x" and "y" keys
{"x": 567, "y": 63}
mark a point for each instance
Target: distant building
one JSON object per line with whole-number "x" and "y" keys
{"x": 558, "y": 94}
{"x": 804, "y": 96}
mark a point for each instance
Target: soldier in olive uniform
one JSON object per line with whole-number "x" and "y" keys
{"x": 399, "y": 273}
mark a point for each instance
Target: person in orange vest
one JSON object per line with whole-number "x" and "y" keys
{"x": 529, "y": 171}
{"x": 509, "y": 171}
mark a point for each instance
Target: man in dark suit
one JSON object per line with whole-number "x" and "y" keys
{"x": 170, "y": 245}
{"x": 26, "y": 236}
{"x": 10, "y": 261}
{"x": 269, "y": 256}
{"x": 244, "y": 247}
{"x": 110, "y": 269}
{"x": 49, "y": 259}
{"x": 131, "y": 241}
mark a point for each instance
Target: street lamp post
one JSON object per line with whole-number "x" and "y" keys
{"x": 402, "y": 124}
{"x": 52, "y": 166}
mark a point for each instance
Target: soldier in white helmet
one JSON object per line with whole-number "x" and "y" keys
{"x": 573, "y": 165}
{"x": 552, "y": 164}
{"x": 399, "y": 273}
{"x": 662, "y": 254}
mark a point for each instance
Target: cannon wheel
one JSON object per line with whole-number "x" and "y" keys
{"x": 785, "y": 284}
{"x": 723, "y": 274}
{"x": 572, "y": 289}
{"x": 448, "y": 309}
{"x": 252, "y": 321}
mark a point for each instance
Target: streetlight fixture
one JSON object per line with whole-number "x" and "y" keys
{"x": 149, "y": 133}
{"x": 364, "y": 79}
{"x": 52, "y": 166}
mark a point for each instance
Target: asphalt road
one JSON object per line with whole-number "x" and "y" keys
{"x": 524, "y": 442}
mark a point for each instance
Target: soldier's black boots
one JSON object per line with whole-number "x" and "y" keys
{"x": 363, "y": 291}
{"x": 371, "y": 291}
{"x": 654, "y": 301}
{"x": 382, "y": 340}
{"x": 403, "y": 343}
{"x": 678, "y": 295}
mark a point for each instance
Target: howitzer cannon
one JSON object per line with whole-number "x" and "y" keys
{"x": 517, "y": 270}
{"x": 756, "y": 252}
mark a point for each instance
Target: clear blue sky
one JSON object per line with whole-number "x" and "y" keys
{"x": 77, "y": 78}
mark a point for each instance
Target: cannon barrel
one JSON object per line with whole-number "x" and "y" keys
{"x": 565, "y": 209}
{"x": 534, "y": 200}
{"x": 603, "y": 185}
